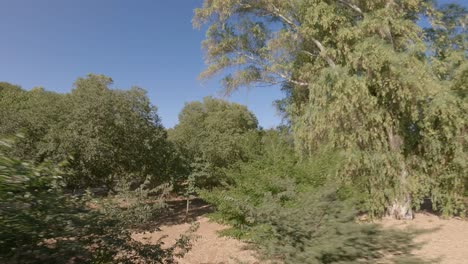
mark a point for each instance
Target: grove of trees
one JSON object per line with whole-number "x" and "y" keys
{"x": 363, "y": 77}
{"x": 58, "y": 151}
{"x": 104, "y": 134}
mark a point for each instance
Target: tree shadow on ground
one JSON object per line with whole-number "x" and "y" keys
{"x": 177, "y": 214}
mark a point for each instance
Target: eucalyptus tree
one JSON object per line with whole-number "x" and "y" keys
{"x": 360, "y": 78}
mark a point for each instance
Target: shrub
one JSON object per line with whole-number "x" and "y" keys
{"x": 40, "y": 223}
{"x": 295, "y": 212}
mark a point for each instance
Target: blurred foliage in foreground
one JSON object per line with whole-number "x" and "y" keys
{"x": 294, "y": 213}
{"x": 41, "y": 223}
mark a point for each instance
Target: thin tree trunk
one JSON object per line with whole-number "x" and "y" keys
{"x": 187, "y": 209}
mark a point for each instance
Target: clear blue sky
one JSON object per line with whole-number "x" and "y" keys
{"x": 147, "y": 43}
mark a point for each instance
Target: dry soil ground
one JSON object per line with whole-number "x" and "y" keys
{"x": 447, "y": 244}
{"x": 209, "y": 247}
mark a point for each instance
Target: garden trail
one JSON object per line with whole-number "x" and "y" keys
{"x": 447, "y": 243}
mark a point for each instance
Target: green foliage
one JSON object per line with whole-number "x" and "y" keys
{"x": 211, "y": 136}
{"x": 291, "y": 211}
{"x": 105, "y": 135}
{"x": 11, "y": 97}
{"x": 447, "y": 38}
{"x": 32, "y": 114}
{"x": 362, "y": 77}
{"x": 321, "y": 228}
{"x": 112, "y": 134}
{"x": 275, "y": 171}
{"x": 41, "y": 223}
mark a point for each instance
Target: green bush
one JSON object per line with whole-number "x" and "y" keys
{"x": 273, "y": 170}
{"x": 319, "y": 227}
{"x": 295, "y": 211}
{"x": 211, "y": 136}
{"x": 40, "y": 223}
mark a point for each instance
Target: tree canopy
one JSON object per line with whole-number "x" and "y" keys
{"x": 103, "y": 134}
{"x": 376, "y": 115}
{"x": 211, "y": 135}
{"x": 362, "y": 76}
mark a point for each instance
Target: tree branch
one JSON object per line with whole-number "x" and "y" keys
{"x": 309, "y": 53}
{"x": 282, "y": 75}
{"x": 352, "y": 6}
{"x": 284, "y": 18}
{"x": 323, "y": 51}
{"x": 291, "y": 80}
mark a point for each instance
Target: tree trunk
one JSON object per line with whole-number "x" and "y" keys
{"x": 401, "y": 205}
{"x": 401, "y": 209}
{"x": 188, "y": 207}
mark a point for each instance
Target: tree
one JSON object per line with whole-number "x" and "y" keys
{"x": 11, "y": 97}
{"x": 111, "y": 135}
{"x": 211, "y": 134}
{"x": 32, "y": 114}
{"x": 447, "y": 39}
{"x": 107, "y": 136}
{"x": 359, "y": 79}
{"x": 287, "y": 206}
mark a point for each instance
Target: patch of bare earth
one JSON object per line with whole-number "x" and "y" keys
{"x": 443, "y": 240}
{"x": 446, "y": 241}
{"x": 209, "y": 247}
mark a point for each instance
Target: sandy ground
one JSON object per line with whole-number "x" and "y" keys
{"x": 446, "y": 244}
{"x": 209, "y": 246}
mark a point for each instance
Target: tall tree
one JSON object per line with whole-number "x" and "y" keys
{"x": 360, "y": 79}
{"x": 105, "y": 135}
{"x": 212, "y": 134}
{"x": 30, "y": 113}
{"x": 111, "y": 135}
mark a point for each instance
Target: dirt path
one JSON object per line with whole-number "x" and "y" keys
{"x": 208, "y": 248}
{"x": 447, "y": 244}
